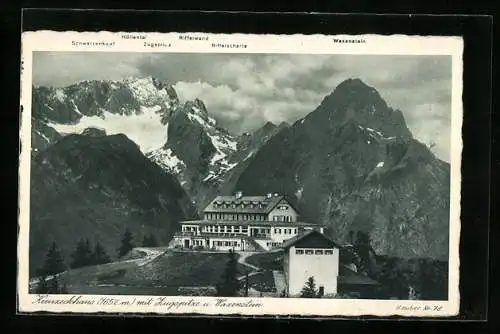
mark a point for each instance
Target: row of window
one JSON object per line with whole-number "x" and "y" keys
{"x": 226, "y": 243}
{"x": 235, "y": 216}
{"x": 314, "y": 251}
{"x": 273, "y": 244}
{"x": 217, "y": 229}
{"x": 217, "y": 243}
{"x": 285, "y": 230}
{"x": 282, "y": 218}
{"x": 239, "y": 229}
{"x": 197, "y": 243}
{"x": 261, "y": 230}
{"x": 225, "y": 229}
{"x": 242, "y": 205}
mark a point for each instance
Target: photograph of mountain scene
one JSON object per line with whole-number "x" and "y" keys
{"x": 265, "y": 175}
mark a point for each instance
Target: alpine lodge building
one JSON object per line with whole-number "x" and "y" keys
{"x": 244, "y": 223}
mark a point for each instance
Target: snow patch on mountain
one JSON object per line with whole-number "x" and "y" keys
{"x": 219, "y": 162}
{"x": 60, "y": 95}
{"x": 375, "y": 134}
{"x": 75, "y": 107}
{"x": 196, "y": 118}
{"x": 166, "y": 159}
{"x": 249, "y": 155}
{"x": 375, "y": 131}
{"x": 223, "y": 144}
{"x": 144, "y": 128}
{"x": 145, "y": 91}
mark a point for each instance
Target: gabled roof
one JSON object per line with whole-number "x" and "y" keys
{"x": 310, "y": 239}
{"x": 251, "y": 204}
{"x": 258, "y": 223}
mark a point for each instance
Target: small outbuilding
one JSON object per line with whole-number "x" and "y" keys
{"x": 311, "y": 254}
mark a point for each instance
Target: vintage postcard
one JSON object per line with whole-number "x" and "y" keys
{"x": 234, "y": 174}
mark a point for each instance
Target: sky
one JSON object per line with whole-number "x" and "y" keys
{"x": 243, "y": 91}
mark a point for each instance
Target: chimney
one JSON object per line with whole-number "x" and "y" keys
{"x": 238, "y": 194}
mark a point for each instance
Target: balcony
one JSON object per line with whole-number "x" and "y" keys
{"x": 211, "y": 234}
{"x": 184, "y": 234}
{"x": 261, "y": 236}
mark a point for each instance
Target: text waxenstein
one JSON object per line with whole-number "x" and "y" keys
{"x": 226, "y": 303}
{"x": 354, "y": 41}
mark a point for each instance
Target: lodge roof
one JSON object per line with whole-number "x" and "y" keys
{"x": 248, "y": 222}
{"x": 245, "y": 204}
{"x": 310, "y": 239}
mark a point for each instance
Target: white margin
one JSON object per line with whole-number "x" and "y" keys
{"x": 292, "y": 44}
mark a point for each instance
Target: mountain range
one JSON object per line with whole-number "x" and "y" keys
{"x": 352, "y": 164}
{"x": 181, "y": 138}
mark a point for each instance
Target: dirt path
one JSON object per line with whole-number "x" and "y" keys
{"x": 151, "y": 254}
{"x": 242, "y": 260}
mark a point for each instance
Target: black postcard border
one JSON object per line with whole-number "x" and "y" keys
{"x": 477, "y": 101}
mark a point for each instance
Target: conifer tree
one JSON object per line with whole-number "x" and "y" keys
{"x": 246, "y": 283}
{"x": 126, "y": 244}
{"x": 145, "y": 241}
{"x": 82, "y": 254}
{"x": 149, "y": 241}
{"x": 88, "y": 252}
{"x": 54, "y": 262}
{"x": 54, "y": 286}
{"x": 309, "y": 289}
{"x": 99, "y": 255}
{"x": 152, "y": 241}
{"x": 363, "y": 247}
{"x": 229, "y": 286}
{"x": 42, "y": 286}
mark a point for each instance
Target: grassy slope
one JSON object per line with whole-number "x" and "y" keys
{"x": 267, "y": 261}
{"x": 162, "y": 276}
{"x": 184, "y": 269}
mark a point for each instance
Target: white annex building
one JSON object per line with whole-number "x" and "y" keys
{"x": 251, "y": 223}
{"x": 311, "y": 254}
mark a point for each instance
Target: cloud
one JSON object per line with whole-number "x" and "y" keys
{"x": 242, "y": 91}
{"x": 60, "y": 69}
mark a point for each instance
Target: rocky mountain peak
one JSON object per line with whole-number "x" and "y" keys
{"x": 355, "y": 95}
{"x": 353, "y": 84}
{"x": 349, "y": 163}
{"x": 269, "y": 126}
{"x": 353, "y": 100}
{"x": 283, "y": 125}
{"x": 200, "y": 105}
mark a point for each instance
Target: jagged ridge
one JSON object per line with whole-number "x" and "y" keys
{"x": 352, "y": 164}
